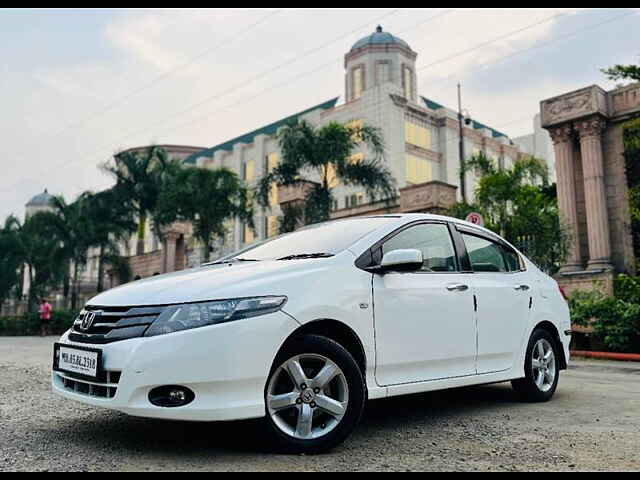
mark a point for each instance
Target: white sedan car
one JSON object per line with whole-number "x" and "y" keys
{"x": 302, "y": 329}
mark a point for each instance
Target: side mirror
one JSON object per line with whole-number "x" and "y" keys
{"x": 405, "y": 260}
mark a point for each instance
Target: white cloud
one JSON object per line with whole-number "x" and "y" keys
{"x": 39, "y": 101}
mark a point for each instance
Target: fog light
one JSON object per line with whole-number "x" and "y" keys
{"x": 178, "y": 396}
{"x": 171, "y": 396}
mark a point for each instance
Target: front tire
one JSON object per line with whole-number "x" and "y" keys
{"x": 314, "y": 396}
{"x": 541, "y": 368}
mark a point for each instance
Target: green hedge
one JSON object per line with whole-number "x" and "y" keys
{"x": 26, "y": 325}
{"x": 615, "y": 320}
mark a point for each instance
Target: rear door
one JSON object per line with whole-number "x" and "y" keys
{"x": 503, "y": 293}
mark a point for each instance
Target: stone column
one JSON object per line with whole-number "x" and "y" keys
{"x": 562, "y": 137}
{"x": 594, "y": 191}
{"x": 171, "y": 239}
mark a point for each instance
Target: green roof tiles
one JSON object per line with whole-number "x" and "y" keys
{"x": 476, "y": 125}
{"x": 270, "y": 129}
{"x": 431, "y": 104}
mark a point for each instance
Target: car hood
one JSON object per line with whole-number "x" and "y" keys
{"x": 239, "y": 279}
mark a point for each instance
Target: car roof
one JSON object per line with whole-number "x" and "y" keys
{"x": 431, "y": 216}
{"x": 406, "y": 218}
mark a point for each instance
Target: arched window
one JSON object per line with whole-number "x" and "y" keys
{"x": 407, "y": 82}
{"x": 357, "y": 82}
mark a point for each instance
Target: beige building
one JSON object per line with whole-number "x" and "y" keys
{"x": 421, "y": 140}
{"x": 586, "y": 128}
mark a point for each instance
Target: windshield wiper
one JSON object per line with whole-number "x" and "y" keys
{"x": 231, "y": 260}
{"x": 306, "y": 255}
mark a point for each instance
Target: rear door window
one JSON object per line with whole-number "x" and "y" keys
{"x": 485, "y": 255}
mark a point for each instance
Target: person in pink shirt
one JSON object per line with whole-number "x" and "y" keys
{"x": 45, "y": 317}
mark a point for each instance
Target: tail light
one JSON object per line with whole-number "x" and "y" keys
{"x": 563, "y": 293}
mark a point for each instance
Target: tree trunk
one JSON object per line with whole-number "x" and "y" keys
{"x": 142, "y": 225}
{"x": 30, "y": 297}
{"x": 74, "y": 290}
{"x": 100, "y": 285}
{"x": 66, "y": 287}
{"x": 206, "y": 253}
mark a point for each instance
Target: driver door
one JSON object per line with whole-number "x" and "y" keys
{"x": 424, "y": 320}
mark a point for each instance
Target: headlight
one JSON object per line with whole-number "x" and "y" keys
{"x": 194, "y": 315}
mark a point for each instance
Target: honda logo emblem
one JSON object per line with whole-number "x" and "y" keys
{"x": 88, "y": 320}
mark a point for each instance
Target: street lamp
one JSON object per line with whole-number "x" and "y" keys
{"x": 462, "y": 115}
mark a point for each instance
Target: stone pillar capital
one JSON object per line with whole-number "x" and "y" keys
{"x": 591, "y": 127}
{"x": 561, "y": 134}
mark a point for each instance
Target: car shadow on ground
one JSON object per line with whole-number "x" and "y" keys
{"x": 101, "y": 430}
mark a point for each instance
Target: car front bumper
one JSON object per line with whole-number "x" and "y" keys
{"x": 225, "y": 365}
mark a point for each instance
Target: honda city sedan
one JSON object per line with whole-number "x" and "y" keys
{"x": 302, "y": 329}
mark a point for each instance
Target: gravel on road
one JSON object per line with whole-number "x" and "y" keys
{"x": 593, "y": 423}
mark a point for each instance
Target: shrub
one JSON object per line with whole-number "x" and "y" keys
{"x": 627, "y": 288}
{"x": 615, "y": 320}
{"x": 26, "y": 325}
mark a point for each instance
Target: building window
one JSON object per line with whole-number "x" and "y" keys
{"x": 355, "y": 158}
{"x": 357, "y": 76}
{"x": 383, "y": 73}
{"x": 407, "y": 82}
{"x": 248, "y": 235}
{"x": 355, "y": 124}
{"x": 331, "y": 176}
{"x": 354, "y": 200}
{"x": 418, "y": 169}
{"x": 272, "y": 227}
{"x": 249, "y": 170}
{"x": 417, "y": 135}
{"x": 272, "y": 162}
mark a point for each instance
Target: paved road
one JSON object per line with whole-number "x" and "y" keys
{"x": 592, "y": 424}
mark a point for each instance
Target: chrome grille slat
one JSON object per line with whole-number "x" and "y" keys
{"x": 80, "y": 386}
{"x": 96, "y": 384}
{"x": 113, "y": 324}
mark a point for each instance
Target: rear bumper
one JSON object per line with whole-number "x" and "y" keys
{"x": 226, "y": 366}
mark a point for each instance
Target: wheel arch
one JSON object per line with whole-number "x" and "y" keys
{"x": 337, "y": 331}
{"x": 553, "y": 330}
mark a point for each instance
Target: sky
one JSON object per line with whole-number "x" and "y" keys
{"x": 76, "y": 86}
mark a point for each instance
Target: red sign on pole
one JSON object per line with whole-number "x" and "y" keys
{"x": 476, "y": 219}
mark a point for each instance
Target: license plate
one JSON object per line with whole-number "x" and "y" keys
{"x": 78, "y": 360}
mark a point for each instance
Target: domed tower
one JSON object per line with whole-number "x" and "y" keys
{"x": 378, "y": 59}
{"x": 43, "y": 202}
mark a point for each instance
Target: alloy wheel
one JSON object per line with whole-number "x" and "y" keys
{"x": 307, "y": 396}
{"x": 543, "y": 364}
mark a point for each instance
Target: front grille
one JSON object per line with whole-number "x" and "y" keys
{"x": 111, "y": 324}
{"x": 104, "y": 387}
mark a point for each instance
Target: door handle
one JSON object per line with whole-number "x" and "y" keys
{"x": 522, "y": 288}
{"x": 457, "y": 287}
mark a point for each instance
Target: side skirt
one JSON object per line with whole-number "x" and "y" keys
{"x": 446, "y": 383}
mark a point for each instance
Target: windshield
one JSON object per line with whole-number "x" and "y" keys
{"x": 324, "y": 239}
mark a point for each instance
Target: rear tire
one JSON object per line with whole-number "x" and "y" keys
{"x": 314, "y": 396}
{"x": 541, "y": 366}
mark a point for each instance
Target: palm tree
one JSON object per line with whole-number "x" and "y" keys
{"x": 140, "y": 175}
{"x": 74, "y": 227}
{"x": 321, "y": 157}
{"x": 207, "y": 199}
{"x": 10, "y": 261}
{"x": 518, "y": 203}
{"x": 40, "y": 250}
{"x": 498, "y": 187}
{"x": 112, "y": 222}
